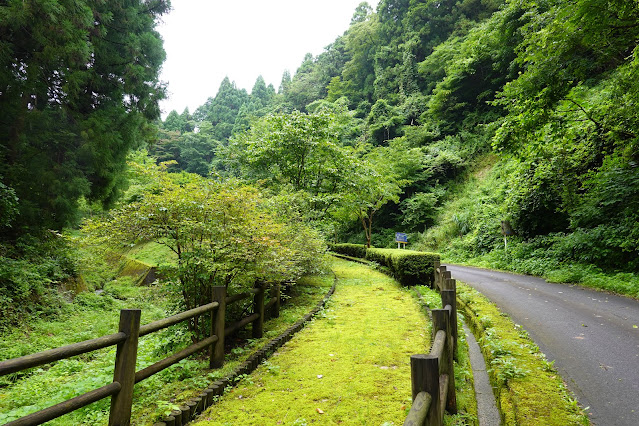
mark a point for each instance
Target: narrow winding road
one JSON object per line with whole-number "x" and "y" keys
{"x": 593, "y": 337}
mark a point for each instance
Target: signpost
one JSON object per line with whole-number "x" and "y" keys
{"x": 507, "y": 231}
{"x": 401, "y": 238}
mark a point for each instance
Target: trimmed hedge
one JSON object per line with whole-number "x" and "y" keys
{"x": 352, "y": 250}
{"x": 407, "y": 266}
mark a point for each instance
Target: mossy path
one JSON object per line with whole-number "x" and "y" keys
{"x": 351, "y": 365}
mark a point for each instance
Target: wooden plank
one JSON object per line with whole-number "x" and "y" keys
{"x": 257, "y": 330}
{"x": 439, "y": 344}
{"x": 276, "y": 289}
{"x": 173, "y": 359}
{"x": 167, "y": 322}
{"x": 216, "y": 359}
{"x": 240, "y": 324}
{"x": 425, "y": 378}
{"x": 449, "y": 297}
{"x": 236, "y": 297}
{"x": 51, "y": 355}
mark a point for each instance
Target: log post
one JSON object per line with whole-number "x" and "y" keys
{"x": 441, "y": 321}
{"x": 424, "y": 371}
{"x": 258, "y": 308}
{"x": 449, "y": 297}
{"x": 217, "y": 327}
{"x": 125, "y": 360}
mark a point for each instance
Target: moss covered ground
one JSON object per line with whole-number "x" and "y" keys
{"x": 351, "y": 365}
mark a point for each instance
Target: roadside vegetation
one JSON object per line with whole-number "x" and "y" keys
{"x": 468, "y": 232}
{"x": 528, "y": 389}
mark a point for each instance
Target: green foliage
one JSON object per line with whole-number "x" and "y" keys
{"x": 8, "y": 205}
{"x": 409, "y": 267}
{"x": 222, "y": 110}
{"x": 77, "y": 94}
{"x": 220, "y": 233}
{"x": 296, "y": 149}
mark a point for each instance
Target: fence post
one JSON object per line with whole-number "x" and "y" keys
{"x": 436, "y": 265}
{"x": 449, "y": 297}
{"x": 445, "y": 283}
{"x": 441, "y": 276}
{"x": 424, "y": 372}
{"x": 275, "y": 292}
{"x": 217, "y": 327}
{"x": 125, "y": 360}
{"x": 441, "y": 321}
{"x": 258, "y": 308}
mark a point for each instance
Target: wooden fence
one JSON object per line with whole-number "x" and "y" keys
{"x": 125, "y": 377}
{"x": 433, "y": 375}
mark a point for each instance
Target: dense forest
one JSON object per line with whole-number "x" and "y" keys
{"x": 436, "y": 118}
{"x": 421, "y": 93}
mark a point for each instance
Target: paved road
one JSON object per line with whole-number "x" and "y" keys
{"x": 592, "y": 337}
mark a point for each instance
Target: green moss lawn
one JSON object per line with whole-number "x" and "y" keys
{"x": 351, "y": 365}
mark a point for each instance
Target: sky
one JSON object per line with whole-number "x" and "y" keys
{"x": 207, "y": 40}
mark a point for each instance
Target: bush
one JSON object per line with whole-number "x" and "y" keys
{"x": 31, "y": 271}
{"x": 407, "y": 266}
{"x": 352, "y": 250}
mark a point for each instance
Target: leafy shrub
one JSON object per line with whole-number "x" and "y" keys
{"x": 347, "y": 249}
{"x": 409, "y": 267}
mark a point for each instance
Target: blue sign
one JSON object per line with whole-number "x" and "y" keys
{"x": 400, "y": 237}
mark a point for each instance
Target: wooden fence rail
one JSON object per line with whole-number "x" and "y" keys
{"x": 126, "y": 339}
{"x": 433, "y": 375}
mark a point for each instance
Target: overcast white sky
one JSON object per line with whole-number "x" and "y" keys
{"x": 206, "y": 40}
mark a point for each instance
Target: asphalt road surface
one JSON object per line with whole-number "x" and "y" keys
{"x": 592, "y": 336}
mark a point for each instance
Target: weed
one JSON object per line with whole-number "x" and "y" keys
{"x": 165, "y": 407}
{"x": 506, "y": 368}
{"x": 549, "y": 366}
{"x": 495, "y": 347}
{"x": 271, "y": 368}
{"x": 486, "y": 322}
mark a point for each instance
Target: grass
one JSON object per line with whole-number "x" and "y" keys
{"x": 351, "y": 365}
{"x": 528, "y": 389}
